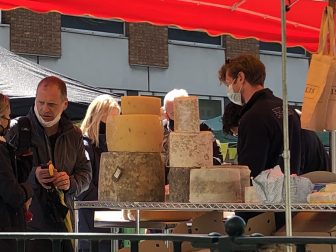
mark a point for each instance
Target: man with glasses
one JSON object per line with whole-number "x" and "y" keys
{"x": 260, "y": 141}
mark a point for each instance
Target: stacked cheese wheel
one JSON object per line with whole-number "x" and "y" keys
{"x": 188, "y": 147}
{"x": 132, "y": 169}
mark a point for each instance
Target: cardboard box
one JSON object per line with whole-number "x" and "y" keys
{"x": 263, "y": 223}
{"x": 313, "y": 224}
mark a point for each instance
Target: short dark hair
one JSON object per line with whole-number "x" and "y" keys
{"x": 53, "y": 80}
{"x": 250, "y": 65}
{"x": 231, "y": 117}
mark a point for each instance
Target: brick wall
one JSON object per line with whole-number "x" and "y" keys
{"x": 33, "y": 33}
{"x": 148, "y": 45}
{"x": 234, "y": 47}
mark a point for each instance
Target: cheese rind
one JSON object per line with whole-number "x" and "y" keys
{"x": 190, "y": 149}
{"x": 134, "y": 133}
{"x": 131, "y": 176}
{"x": 215, "y": 185}
{"x": 140, "y": 105}
{"x": 186, "y": 114}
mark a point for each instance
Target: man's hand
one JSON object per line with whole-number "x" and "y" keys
{"x": 43, "y": 177}
{"x": 62, "y": 180}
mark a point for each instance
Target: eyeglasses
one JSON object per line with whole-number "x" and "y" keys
{"x": 228, "y": 84}
{"x": 6, "y": 118}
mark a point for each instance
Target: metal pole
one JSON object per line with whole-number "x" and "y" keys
{"x": 332, "y": 150}
{"x": 286, "y": 152}
{"x": 138, "y": 221}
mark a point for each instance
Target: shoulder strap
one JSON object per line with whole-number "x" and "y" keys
{"x": 24, "y": 136}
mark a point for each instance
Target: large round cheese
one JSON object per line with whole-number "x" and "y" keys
{"x": 134, "y": 133}
{"x": 140, "y": 105}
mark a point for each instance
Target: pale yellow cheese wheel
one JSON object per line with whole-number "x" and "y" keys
{"x": 134, "y": 133}
{"x": 140, "y": 105}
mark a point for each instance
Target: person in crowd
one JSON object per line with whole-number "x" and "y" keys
{"x": 260, "y": 141}
{"x": 314, "y": 156}
{"x": 94, "y": 128}
{"x": 60, "y": 169}
{"x": 168, "y": 108}
{"x": 230, "y": 119}
{"x": 260, "y": 129}
{"x": 15, "y": 197}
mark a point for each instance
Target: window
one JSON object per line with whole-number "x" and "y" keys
{"x": 92, "y": 24}
{"x": 276, "y": 47}
{"x": 210, "y": 108}
{"x": 193, "y": 36}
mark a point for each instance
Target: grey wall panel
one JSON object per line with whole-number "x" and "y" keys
{"x": 296, "y": 76}
{"x": 192, "y": 68}
{"x": 4, "y": 36}
{"x": 98, "y": 61}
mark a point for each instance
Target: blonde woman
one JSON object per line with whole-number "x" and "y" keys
{"x": 93, "y": 128}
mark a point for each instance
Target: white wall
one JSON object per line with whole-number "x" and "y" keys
{"x": 296, "y": 75}
{"x": 192, "y": 68}
{"x": 4, "y": 36}
{"x": 98, "y": 61}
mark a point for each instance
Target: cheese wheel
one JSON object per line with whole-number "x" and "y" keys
{"x": 186, "y": 114}
{"x": 244, "y": 172}
{"x": 140, "y": 105}
{"x": 190, "y": 149}
{"x": 215, "y": 185}
{"x": 131, "y": 176}
{"x": 134, "y": 133}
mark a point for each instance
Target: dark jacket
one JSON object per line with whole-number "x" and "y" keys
{"x": 86, "y": 216}
{"x": 12, "y": 194}
{"x": 260, "y": 141}
{"x": 314, "y": 156}
{"x": 69, "y": 156}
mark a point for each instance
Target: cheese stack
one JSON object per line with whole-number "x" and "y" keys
{"x": 188, "y": 147}
{"x": 132, "y": 170}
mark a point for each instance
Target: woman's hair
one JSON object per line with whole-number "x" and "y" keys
{"x": 4, "y": 104}
{"x": 101, "y": 106}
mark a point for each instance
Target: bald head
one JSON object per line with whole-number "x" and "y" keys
{"x": 54, "y": 81}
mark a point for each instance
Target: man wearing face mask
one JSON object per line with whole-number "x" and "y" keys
{"x": 55, "y": 141}
{"x": 260, "y": 141}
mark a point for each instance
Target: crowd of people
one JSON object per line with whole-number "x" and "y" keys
{"x": 60, "y": 162}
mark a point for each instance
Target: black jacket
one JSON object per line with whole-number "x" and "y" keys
{"x": 12, "y": 194}
{"x": 86, "y": 216}
{"x": 314, "y": 156}
{"x": 260, "y": 141}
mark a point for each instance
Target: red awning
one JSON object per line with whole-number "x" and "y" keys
{"x": 240, "y": 18}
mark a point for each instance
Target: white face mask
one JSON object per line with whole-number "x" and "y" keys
{"x": 43, "y": 122}
{"x": 233, "y": 96}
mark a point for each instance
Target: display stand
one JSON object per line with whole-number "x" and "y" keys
{"x": 139, "y": 206}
